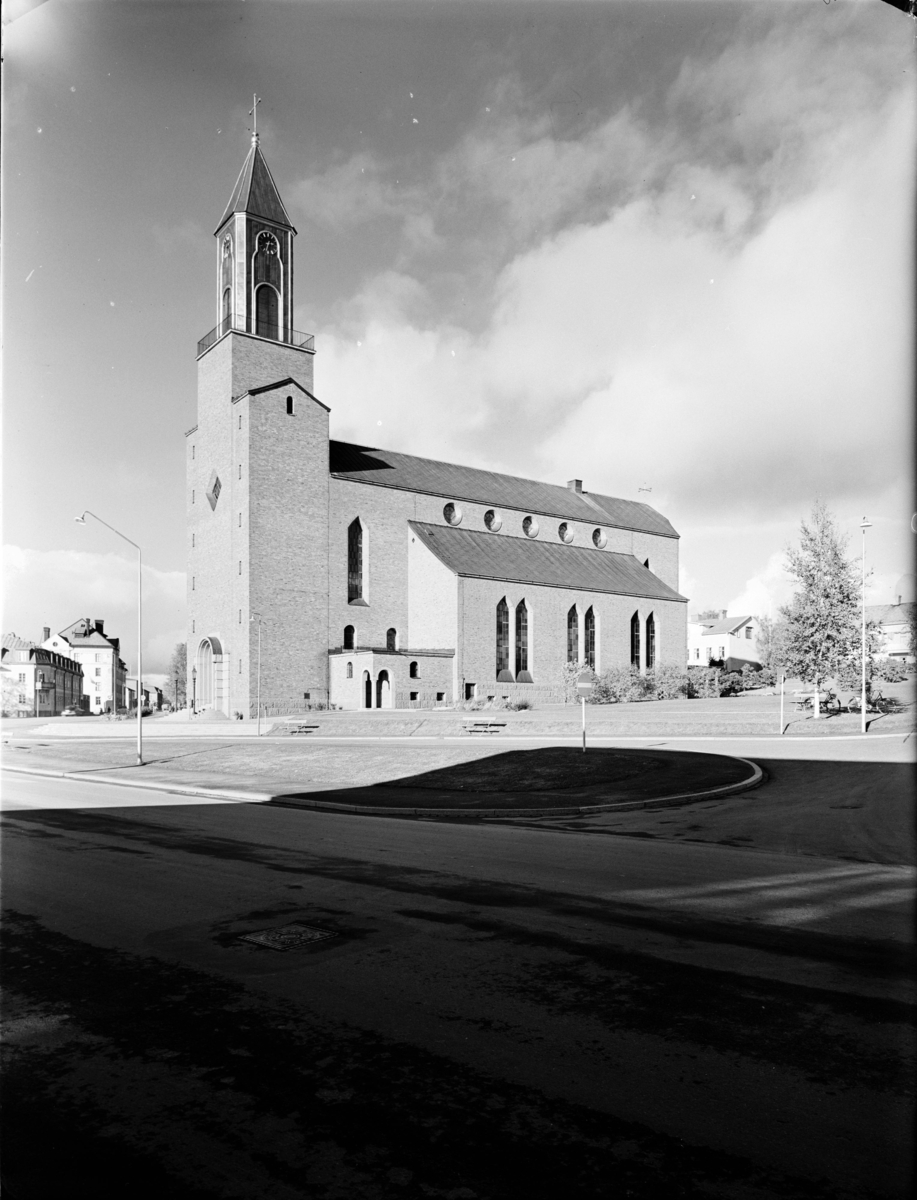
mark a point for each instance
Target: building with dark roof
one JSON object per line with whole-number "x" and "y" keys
{"x": 323, "y": 571}
{"x": 99, "y": 654}
{"x": 37, "y": 682}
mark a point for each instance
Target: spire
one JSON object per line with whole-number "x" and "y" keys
{"x": 255, "y": 192}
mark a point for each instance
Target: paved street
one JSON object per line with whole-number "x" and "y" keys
{"x": 505, "y": 1009}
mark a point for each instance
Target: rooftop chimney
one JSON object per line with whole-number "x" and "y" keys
{"x": 575, "y": 485}
{"x": 723, "y": 613}
{"x": 100, "y": 624}
{"x": 46, "y": 633}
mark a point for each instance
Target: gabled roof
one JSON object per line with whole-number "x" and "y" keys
{"x": 477, "y": 555}
{"x": 256, "y": 192}
{"x": 12, "y": 641}
{"x": 85, "y": 633}
{"x": 387, "y": 468}
{"x": 890, "y": 614}
{"x": 280, "y": 383}
{"x": 727, "y": 625}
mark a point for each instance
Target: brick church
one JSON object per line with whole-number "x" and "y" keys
{"x": 368, "y": 578}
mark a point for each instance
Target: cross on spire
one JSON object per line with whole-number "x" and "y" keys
{"x": 253, "y": 112}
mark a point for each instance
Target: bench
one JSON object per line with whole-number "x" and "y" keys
{"x": 484, "y": 726}
{"x": 299, "y": 727}
{"x": 828, "y": 701}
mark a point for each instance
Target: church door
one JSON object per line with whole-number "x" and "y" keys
{"x": 367, "y": 690}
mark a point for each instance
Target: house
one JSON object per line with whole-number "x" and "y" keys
{"x": 38, "y": 682}
{"x": 730, "y": 640}
{"x": 326, "y": 571}
{"x": 104, "y": 673}
{"x": 895, "y": 623}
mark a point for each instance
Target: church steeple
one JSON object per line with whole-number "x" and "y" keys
{"x": 255, "y": 255}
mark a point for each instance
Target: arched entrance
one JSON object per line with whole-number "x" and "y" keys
{"x": 383, "y": 691}
{"x": 367, "y": 690}
{"x": 208, "y": 663}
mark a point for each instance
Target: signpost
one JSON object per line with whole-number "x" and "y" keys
{"x": 584, "y": 689}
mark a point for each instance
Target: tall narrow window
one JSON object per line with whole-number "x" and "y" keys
{"x": 266, "y": 311}
{"x": 573, "y": 635}
{"x": 289, "y": 406}
{"x": 635, "y": 640}
{"x": 391, "y": 639}
{"x": 650, "y": 642}
{"x": 227, "y": 308}
{"x": 522, "y": 638}
{"x": 503, "y": 672}
{"x": 355, "y": 561}
{"x": 589, "y": 637}
{"x": 348, "y": 637}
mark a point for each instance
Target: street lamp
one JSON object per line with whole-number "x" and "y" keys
{"x": 82, "y": 521}
{"x": 193, "y": 690}
{"x": 864, "y": 525}
{"x": 257, "y": 617}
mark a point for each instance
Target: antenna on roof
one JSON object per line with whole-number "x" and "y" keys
{"x": 644, "y": 489}
{"x": 253, "y": 113}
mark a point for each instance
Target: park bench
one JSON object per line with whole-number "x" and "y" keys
{"x": 484, "y": 726}
{"x": 298, "y": 727}
{"x": 828, "y": 701}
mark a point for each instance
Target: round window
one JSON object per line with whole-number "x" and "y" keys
{"x": 530, "y": 527}
{"x": 453, "y": 514}
{"x": 492, "y": 520}
{"x": 599, "y": 538}
{"x": 564, "y": 532}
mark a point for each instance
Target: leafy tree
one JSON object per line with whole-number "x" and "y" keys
{"x": 178, "y": 667}
{"x": 771, "y": 643}
{"x": 710, "y": 614}
{"x": 823, "y": 618}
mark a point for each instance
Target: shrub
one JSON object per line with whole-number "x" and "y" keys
{"x": 521, "y": 704}
{"x": 617, "y": 685}
{"x": 668, "y": 681}
{"x": 570, "y": 672}
{"x": 892, "y": 670}
{"x": 703, "y": 682}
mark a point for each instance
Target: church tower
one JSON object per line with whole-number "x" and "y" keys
{"x": 257, "y": 469}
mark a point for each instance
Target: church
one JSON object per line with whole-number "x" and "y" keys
{"x": 327, "y": 573}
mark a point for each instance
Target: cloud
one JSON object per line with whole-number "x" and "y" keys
{"x": 766, "y": 590}
{"x": 57, "y": 587}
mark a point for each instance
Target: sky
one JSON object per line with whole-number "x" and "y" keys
{"x": 653, "y": 245}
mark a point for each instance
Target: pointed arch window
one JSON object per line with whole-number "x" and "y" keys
{"x": 522, "y": 643}
{"x": 650, "y": 642}
{"x": 503, "y": 671}
{"x": 635, "y": 640}
{"x": 266, "y": 311}
{"x": 573, "y": 635}
{"x": 589, "y": 637}
{"x": 354, "y": 561}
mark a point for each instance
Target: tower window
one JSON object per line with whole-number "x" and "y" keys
{"x": 348, "y": 637}
{"x": 650, "y": 642}
{"x": 266, "y": 311}
{"x": 391, "y": 639}
{"x": 413, "y": 671}
{"x": 350, "y": 670}
{"x": 503, "y": 672}
{"x": 289, "y": 406}
{"x": 573, "y": 635}
{"x": 355, "y": 561}
{"x": 589, "y": 637}
{"x": 635, "y": 640}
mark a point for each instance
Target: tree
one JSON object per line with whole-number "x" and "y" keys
{"x": 772, "y": 643}
{"x": 823, "y": 618}
{"x": 710, "y": 614}
{"x": 178, "y": 667}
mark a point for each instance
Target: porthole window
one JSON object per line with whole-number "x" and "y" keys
{"x": 599, "y": 538}
{"x": 453, "y": 514}
{"x": 492, "y": 520}
{"x": 564, "y": 532}
{"x": 530, "y": 527}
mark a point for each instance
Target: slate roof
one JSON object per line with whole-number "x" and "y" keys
{"x": 256, "y": 193}
{"x": 387, "y": 468}
{"x": 729, "y": 625}
{"x": 477, "y": 555}
{"x": 85, "y": 633}
{"x": 890, "y": 614}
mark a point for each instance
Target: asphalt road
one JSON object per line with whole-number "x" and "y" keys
{"x": 502, "y": 1011}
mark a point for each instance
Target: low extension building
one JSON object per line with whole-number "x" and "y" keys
{"x": 38, "y": 682}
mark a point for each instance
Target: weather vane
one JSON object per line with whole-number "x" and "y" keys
{"x": 253, "y": 113}
{"x": 644, "y": 489}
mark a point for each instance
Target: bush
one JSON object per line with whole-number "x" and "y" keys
{"x": 617, "y": 685}
{"x": 891, "y": 670}
{"x": 703, "y": 682}
{"x": 668, "y": 681}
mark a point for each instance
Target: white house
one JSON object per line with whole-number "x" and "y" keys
{"x": 86, "y": 642}
{"x": 895, "y": 623}
{"x": 730, "y": 640}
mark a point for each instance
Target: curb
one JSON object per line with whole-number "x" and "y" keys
{"x": 285, "y": 800}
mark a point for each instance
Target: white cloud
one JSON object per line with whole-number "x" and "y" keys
{"x": 57, "y": 587}
{"x": 765, "y": 592}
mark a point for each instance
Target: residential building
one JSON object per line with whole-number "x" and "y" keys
{"x": 895, "y": 622}
{"x": 324, "y": 571}
{"x": 104, "y": 674}
{"x": 38, "y": 682}
{"x": 730, "y": 640}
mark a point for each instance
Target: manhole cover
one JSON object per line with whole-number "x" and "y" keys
{"x": 288, "y": 937}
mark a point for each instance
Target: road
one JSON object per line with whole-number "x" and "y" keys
{"x": 504, "y": 1010}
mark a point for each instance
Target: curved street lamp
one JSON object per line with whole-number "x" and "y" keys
{"x": 82, "y": 521}
{"x": 864, "y": 525}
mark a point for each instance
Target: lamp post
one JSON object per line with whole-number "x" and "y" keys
{"x": 193, "y": 690}
{"x": 82, "y": 521}
{"x": 257, "y": 617}
{"x": 864, "y": 525}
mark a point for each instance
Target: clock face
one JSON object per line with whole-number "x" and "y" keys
{"x": 267, "y": 243}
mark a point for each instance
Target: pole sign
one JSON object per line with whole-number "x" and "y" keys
{"x": 584, "y": 689}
